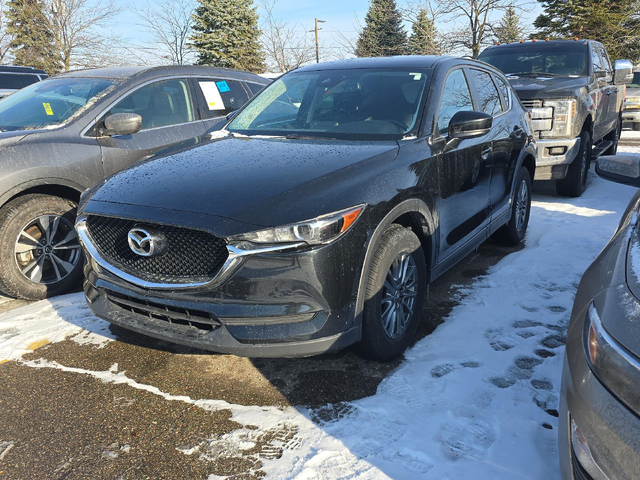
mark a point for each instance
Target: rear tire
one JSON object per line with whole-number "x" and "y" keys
{"x": 575, "y": 183}
{"x": 395, "y": 288}
{"x": 40, "y": 255}
{"x": 513, "y": 232}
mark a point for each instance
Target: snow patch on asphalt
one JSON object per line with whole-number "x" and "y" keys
{"x": 49, "y": 321}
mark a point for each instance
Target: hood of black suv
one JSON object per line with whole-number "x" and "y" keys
{"x": 257, "y": 181}
{"x": 541, "y": 87}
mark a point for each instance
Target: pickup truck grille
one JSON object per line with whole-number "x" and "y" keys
{"x": 529, "y": 104}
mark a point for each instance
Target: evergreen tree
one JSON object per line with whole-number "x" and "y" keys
{"x": 226, "y": 34}
{"x": 509, "y": 29}
{"x": 32, "y": 41}
{"x": 383, "y": 33}
{"x": 424, "y": 36}
{"x": 615, "y": 23}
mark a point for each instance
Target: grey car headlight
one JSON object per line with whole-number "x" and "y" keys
{"x": 317, "y": 231}
{"x": 614, "y": 366}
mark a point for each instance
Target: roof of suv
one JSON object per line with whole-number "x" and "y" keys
{"x": 124, "y": 73}
{"x": 407, "y": 61}
{"x": 19, "y": 69}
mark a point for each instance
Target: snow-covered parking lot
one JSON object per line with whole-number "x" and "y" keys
{"x": 476, "y": 398}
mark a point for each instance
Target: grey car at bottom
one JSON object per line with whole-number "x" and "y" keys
{"x": 65, "y": 134}
{"x": 599, "y": 428}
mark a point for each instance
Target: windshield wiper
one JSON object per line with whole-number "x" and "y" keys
{"x": 532, "y": 74}
{"x": 297, "y": 136}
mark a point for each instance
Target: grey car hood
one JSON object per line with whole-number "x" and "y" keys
{"x": 10, "y": 138}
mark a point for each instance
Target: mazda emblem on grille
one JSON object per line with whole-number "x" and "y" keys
{"x": 146, "y": 242}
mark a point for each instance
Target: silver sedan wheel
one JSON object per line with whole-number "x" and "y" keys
{"x": 47, "y": 249}
{"x": 399, "y": 295}
{"x": 522, "y": 205}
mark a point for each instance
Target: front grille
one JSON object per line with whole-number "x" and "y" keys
{"x": 190, "y": 255}
{"x": 174, "y": 315}
{"x": 579, "y": 472}
{"x": 529, "y": 104}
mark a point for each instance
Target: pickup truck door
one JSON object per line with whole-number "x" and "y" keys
{"x": 599, "y": 94}
{"x": 612, "y": 91}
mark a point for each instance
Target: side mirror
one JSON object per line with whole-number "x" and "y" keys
{"x": 623, "y": 169}
{"x": 470, "y": 124}
{"x": 122, "y": 124}
{"x": 622, "y": 72}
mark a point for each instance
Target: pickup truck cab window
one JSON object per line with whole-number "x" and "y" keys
{"x": 456, "y": 97}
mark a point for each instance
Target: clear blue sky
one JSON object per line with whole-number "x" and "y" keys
{"x": 340, "y": 15}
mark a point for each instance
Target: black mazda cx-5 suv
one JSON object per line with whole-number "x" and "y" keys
{"x": 318, "y": 216}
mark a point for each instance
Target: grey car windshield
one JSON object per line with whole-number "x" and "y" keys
{"x": 51, "y": 102}
{"x": 539, "y": 58}
{"x": 350, "y": 104}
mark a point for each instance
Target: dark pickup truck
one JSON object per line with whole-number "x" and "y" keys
{"x": 576, "y": 100}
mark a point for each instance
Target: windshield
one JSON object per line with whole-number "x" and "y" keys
{"x": 539, "y": 59}
{"x": 635, "y": 83}
{"x": 50, "y": 102}
{"x": 350, "y": 104}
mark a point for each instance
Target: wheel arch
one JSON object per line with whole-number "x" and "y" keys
{"x": 57, "y": 187}
{"x": 414, "y": 214}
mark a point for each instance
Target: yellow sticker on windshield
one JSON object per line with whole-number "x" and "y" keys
{"x": 47, "y": 108}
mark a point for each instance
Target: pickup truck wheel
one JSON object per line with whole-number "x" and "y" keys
{"x": 513, "y": 232}
{"x": 575, "y": 183}
{"x": 40, "y": 255}
{"x": 614, "y": 136}
{"x": 395, "y": 290}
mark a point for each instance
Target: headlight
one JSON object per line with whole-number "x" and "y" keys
{"x": 318, "y": 231}
{"x": 612, "y": 364}
{"x": 564, "y": 112}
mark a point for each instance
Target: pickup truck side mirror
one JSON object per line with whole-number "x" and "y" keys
{"x": 623, "y": 169}
{"x": 469, "y": 124}
{"x": 122, "y": 124}
{"x": 622, "y": 72}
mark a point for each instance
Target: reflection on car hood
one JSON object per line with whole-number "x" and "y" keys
{"x": 259, "y": 181}
{"x": 530, "y": 88}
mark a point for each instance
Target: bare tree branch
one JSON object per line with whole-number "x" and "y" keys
{"x": 285, "y": 46}
{"x": 169, "y": 23}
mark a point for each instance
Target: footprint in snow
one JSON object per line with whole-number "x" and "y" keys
{"x": 542, "y": 384}
{"x": 554, "y": 341}
{"x": 442, "y": 370}
{"x": 548, "y": 402}
{"x": 465, "y": 439}
{"x": 498, "y": 341}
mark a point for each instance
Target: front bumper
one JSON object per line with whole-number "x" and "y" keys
{"x": 553, "y": 166}
{"x": 630, "y": 116}
{"x": 290, "y": 304}
{"x": 611, "y": 430}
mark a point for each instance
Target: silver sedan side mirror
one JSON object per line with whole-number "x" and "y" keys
{"x": 623, "y": 169}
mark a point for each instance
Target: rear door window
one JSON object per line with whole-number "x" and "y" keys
{"x": 160, "y": 104}
{"x": 456, "y": 97}
{"x": 487, "y": 92}
{"x": 219, "y": 97}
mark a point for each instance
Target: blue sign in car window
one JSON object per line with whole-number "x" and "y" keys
{"x": 223, "y": 87}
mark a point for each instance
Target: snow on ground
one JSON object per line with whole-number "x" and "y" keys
{"x": 478, "y": 398}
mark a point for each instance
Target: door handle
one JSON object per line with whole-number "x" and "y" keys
{"x": 608, "y": 92}
{"x": 485, "y": 152}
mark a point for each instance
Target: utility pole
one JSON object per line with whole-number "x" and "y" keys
{"x": 317, "y": 43}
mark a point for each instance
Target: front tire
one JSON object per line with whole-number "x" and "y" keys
{"x": 513, "y": 232}
{"x": 40, "y": 255}
{"x": 575, "y": 183}
{"x": 395, "y": 290}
